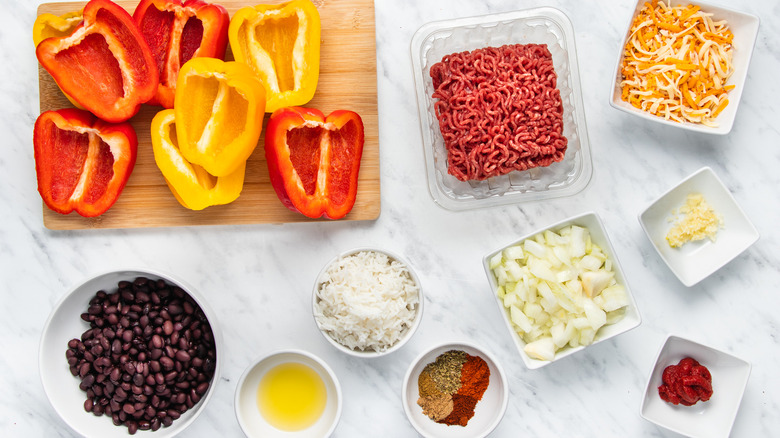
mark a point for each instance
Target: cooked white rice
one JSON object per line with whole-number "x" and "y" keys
{"x": 366, "y": 301}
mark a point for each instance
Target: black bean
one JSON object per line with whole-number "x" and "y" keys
{"x": 202, "y": 388}
{"x": 147, "y": 356}
{"x": 166, "y": 362}
{"x": 182, "y": 356}
{"x": 167, "y": 326}
{"x": 87, "y": 381}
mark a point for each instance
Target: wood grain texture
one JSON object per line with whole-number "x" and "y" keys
{"x": 347, "y": 81}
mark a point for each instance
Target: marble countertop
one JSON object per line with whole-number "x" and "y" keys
{"x": 258, "y": 278}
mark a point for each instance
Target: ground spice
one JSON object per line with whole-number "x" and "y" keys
{"x": 445, "y": 370}
{"x": 451, "y": 386}
{"x": 474, "y": 378}
{"x": 427, "y": 386}
{"x": 462, "y": 410}
{"x": 437, "y": 407}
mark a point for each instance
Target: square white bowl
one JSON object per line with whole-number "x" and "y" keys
{"x": 544, "y": 25}
{"x": 696, "y": 260}
{"x": 598, "y": 234}
{"x": 745, "y": 29}
{"x": 713, "y": 418}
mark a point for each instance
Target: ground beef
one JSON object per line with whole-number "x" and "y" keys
{"x": 499, "y": 110}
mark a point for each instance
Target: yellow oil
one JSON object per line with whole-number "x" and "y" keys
{"x": 291, "y": 396}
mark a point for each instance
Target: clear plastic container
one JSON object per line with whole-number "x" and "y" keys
{"x": 544, "y": 25}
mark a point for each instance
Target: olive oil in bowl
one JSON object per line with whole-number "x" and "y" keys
{"x": 291, "y": 396}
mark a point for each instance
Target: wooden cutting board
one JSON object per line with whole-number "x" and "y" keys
{"x": 347, "y": 81}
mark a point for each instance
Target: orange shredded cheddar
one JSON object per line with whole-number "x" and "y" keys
{"x": 676, "y": 63}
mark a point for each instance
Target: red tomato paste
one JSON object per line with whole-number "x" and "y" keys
{"x": 686, "y": 383}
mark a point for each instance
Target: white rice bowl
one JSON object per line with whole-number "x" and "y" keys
{"x": 367, "y": 301}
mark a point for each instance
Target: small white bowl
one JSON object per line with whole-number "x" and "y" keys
{"x": 713, "y": 418}
{"x": 409, "y": 331}
{"x": 696, "y": 260}
{"x": 745, "y": 29}
{"x": 64, "y": 323}
{"x": 248, "y": 413}
{"x": 488, "y": 413}
{"x": 598, "y": 234}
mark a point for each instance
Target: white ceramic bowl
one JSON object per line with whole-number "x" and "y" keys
{"x": 248, "y": 413}
{"x": 64, "y": 323}
{"x": 539, "y": 25}
{"x": 713, "y": 418}
{"x": 409, "y": 330}
{"x": 488, "y": 412}
{"x": 598, "y": 234}
{"x": 696, "y": 260}
{"x": 745, "y": 29}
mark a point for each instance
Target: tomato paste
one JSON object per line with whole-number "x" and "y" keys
{"x": 686, "y": 383}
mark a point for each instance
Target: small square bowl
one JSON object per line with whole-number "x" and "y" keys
{"x": 694, "y": 261}
{"x": 248, "y": 413}
{"x": 488, "y": 412}
{"x": 598, "y": 233}
{"x": 713, "y": 418}
{"x": 407, "y": 332}
{"x": 544, "y": 25}
{"x": 745, "y": 29}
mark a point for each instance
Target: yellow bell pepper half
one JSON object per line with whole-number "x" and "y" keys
{"x": 50, "y": 25}
{"x": 219, "y": 112}
{"x": 282, "y": 45}
{"x": 192, "y": 186}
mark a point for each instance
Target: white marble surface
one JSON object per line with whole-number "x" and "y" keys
{"x": 259, "y": 278}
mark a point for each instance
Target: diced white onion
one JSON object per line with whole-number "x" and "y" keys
{"x": 559, "y": 289}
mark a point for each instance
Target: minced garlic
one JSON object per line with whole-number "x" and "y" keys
{"x": 700, "y": 221}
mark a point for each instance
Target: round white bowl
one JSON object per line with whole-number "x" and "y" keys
{"x": 64, "y": 323}
{"x": 248, "y": 413}
{"x": 410, "y": 330}
{"x": 488, "y": 413}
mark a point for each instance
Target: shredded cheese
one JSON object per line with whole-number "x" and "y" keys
{"x": 367, "y": 301}
{"x": 699, "y": 221}
{"x": 676, "y": 63}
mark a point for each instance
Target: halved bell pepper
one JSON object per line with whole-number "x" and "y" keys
{"x": 313, "y": 160}
{"x": 177, "y": 31}
{"x": 50, "y": 25}
{"x": 192, "y": 186}
{"x": 82, "y": 162}
{"x": 219, "y": 113}
{"x": 282, "y": 44}
{"x": 104, "y": 63}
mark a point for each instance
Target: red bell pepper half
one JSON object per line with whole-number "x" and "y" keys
{"x": 104, "y": 64}
{"x": 313, "y": 160}
{"x": 178, "y": 31}
{"x": 82, "y": 162}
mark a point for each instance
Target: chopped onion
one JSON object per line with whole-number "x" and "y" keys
{"x": 559, "y": 289}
